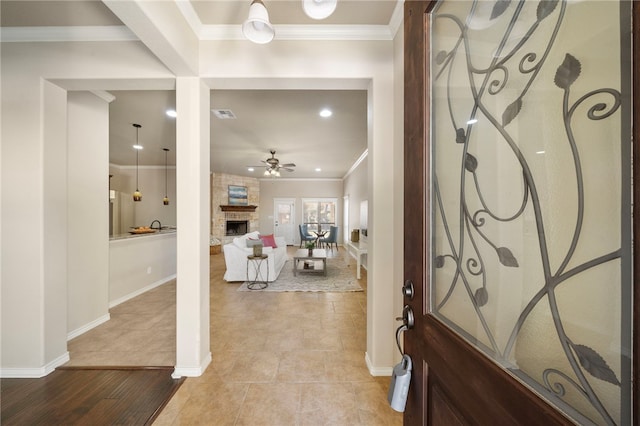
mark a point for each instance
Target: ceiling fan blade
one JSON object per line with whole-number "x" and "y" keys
{"x": 287, "y": 169}
{"x": 288, "y": 165}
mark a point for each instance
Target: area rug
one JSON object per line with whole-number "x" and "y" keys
{"x": 341, "y": 277}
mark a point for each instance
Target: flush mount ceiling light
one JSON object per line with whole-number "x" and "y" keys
{"x": 137, "y": 195}
{"x": 326, "y": 112}
{"x": 257, "y": 27}
{"x": 319, "y": 9}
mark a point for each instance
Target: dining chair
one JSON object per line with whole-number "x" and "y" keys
{"x": 304, "y": 234}
{"x": 332, "y": 238}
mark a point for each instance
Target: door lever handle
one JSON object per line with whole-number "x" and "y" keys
{"x": 407, "y": 317}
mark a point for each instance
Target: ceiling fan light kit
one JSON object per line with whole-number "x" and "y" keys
{"x": 273, "y": 166}
{"x": 319, "y": 9}
{"x": 257, "y": 27}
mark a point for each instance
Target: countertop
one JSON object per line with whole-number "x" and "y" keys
{"x": 128, "y": 236}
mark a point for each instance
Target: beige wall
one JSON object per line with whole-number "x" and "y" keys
{"x": 88, "y": 249}
{"x": 297, "y": 189}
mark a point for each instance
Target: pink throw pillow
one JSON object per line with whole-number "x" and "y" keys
{"x": 268, "y": 241}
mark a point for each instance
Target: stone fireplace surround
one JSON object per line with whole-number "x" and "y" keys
{"x": 220, "y": 197}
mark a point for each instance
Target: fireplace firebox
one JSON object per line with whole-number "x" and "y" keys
{"x": 237, "y": 227}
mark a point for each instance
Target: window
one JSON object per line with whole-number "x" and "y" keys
{"x": 319, "y": 214}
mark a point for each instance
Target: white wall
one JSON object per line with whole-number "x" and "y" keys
{"x": 88, "y": 203}
{"x": 140, "y": 263}
{"x": 34, "y": 186}
{"x": 355, "y": 186}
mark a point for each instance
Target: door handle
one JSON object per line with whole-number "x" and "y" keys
{"x": 407, "y": 317}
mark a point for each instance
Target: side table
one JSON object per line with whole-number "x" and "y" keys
{"x": 258, "y": 282}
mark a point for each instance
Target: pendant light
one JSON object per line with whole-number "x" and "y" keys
{"x": 257, "y": 27}
{"x": 319, "y": 9}
{"x": 137, "y": 195}
{"x": 165, "y": 200}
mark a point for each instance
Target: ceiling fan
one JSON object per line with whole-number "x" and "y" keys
{"x": 273, "y": 165}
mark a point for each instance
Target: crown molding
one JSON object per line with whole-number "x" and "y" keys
{"x": 303, "y": 32}
{"x": 80, "y": 33}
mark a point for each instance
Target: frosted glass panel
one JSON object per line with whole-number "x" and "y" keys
{"x": 531, "y": 217}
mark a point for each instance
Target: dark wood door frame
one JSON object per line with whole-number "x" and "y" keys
{"x": 416, "y": 237}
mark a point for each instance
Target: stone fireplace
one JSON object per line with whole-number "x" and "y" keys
{"x": 236, "y": 227}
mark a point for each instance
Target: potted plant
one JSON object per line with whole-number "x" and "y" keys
{"x": 310, "y": 246}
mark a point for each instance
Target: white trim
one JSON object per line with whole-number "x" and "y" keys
{"x": 270, "y": 179}
{"x": 124, "y": 167}
{"x": 191, "y": 16}
{"x": 34, "y": 373}
{"x": 91, "y": 325}
{"x": 191, "y": 371}
{"x": 77, "y": 33}
{"x": 357, "y": 163}
{"x": 104, "y": 95}
{"x": 377, "y": 371}
{"x": 302, "y": 32}
{"x": 397, "y": 18}
{"x": 141, "y": 291}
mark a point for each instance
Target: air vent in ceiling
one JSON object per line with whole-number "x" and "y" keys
{"x": 224, "y": 114}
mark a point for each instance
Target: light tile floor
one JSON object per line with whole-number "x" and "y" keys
{"x": 278, "y": 358}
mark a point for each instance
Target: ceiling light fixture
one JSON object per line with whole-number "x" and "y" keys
{"x": 326, "y": 112}
{"x": 257, "y": 27}
{"x": 165, "y": 200}
{"x": 172, "y": 113}
{"x": 137, "y": 195}
{"x": 319, "y": 9}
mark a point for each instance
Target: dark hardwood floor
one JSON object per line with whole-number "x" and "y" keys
{"x": 88, "y": 396}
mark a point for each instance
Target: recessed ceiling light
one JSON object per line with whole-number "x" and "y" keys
{"x": 540, "y": 152}
{"x": 472, "y": 121}
{"x": 138, "y": 147}
{"x": 172, "y": 113}
{"x": 318, "y": 169}
{"x": 250, "y": 169}
{"x": 326, "y": 113}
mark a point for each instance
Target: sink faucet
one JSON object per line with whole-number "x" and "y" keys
{"x": 159, "y": 225}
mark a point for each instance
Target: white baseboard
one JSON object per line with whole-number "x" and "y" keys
{"x": 377, "y": 371}
{"x": 142, "y": 290}
{"x": 191, "y": 371}
{"x": 93, "y": 324}
{"x": 34, "y": 373}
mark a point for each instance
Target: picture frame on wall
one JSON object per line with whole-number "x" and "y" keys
{"x": 238, "y": 195}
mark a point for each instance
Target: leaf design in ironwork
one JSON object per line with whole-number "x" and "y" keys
{"x": 499, "y": 8}
{"x": 545, "y": 8}
{"x": 460, "y": 137}
{"x": 511, "y": 112}
{"x": 470, "y": 162}
{"x": 568, "y": 72}
{"x": 506, "y": 257}
{"x": 481, "y": 296}
{"x": 440, "y": 57}
{"x": 595, "y": 364}
{"x": 439, "y": 261}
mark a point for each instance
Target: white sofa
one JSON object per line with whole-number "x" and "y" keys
{"x": 235, "y": 258}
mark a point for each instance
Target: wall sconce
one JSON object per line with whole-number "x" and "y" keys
{"x": 137, "y": 195}
{"x": 165, "y": 200}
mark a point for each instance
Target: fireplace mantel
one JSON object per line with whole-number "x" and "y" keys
{"x": 229, "y": 208}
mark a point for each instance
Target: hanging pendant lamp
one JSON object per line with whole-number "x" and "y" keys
{"x": 165, "y": 200}
{"x": 137, "y": 195}
{"x": 257, "y": 27}
{"x": 319, "y": 9}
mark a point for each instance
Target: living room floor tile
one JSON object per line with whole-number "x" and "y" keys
{"x": 293, "y": 359}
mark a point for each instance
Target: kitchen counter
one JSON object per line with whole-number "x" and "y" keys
{"x": 128, "y": 236}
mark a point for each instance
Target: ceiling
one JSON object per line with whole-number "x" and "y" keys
{"x": 284, "y": 120}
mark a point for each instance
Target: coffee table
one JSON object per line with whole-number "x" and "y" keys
{"x": 303, "y": 255}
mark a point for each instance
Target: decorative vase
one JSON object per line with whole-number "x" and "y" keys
{"x": 257, "y": 250}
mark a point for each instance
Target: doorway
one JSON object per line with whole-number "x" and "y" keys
{"x": 284, "y": 213}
